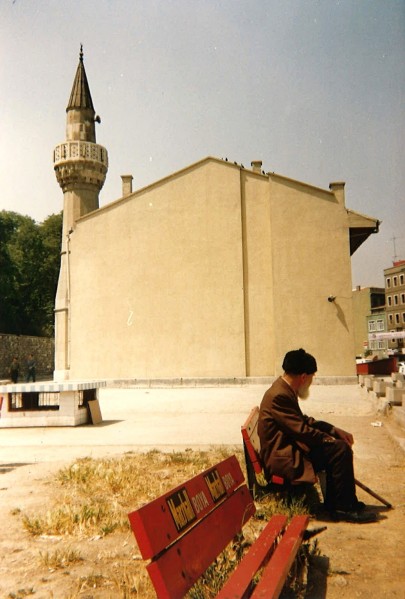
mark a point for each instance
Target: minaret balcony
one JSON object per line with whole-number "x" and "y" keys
{"x": 85, "y": 151}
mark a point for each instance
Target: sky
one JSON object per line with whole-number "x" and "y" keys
{"x": 313, "y": 88}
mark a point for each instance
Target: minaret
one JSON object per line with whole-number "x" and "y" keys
{"x": 81, "y": 166}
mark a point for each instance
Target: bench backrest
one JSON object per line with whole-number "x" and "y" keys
{"x": 184, "y": 530}
{"x": 251, "y": 439}
{"x": 251, "y": 445}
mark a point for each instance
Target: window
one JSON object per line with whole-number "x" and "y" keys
{"x": 381, "y": 344}
{"x": 403, "y": 316}
{"x": 395, "y": 300}
{"x": 380, "y": 325}
{"x": 396, "y": 318}
{"x": 388, "y": 283}
{"x": 401, "y": 279}
{"x": 395, "y": 281}
{"x": 33, "y": 401}
{"x": 402, "y": 298}
{"x": 372, "y": 326}
{"x": 389, "y": 298}
{"x": 390, "y": 318}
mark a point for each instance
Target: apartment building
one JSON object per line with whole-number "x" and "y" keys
{"x": 395, "y": 305}
{"x": 369, "y": 318}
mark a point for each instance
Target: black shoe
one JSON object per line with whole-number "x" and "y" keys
{"x": 360, "y": 506}
{"x": 357, "y": 516}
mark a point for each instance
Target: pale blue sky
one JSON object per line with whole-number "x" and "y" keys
{"x": 313, "y": 88}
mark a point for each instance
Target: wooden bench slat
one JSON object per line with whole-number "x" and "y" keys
{"x": 160, "y": 522}
{"x": 241, "y": 579}
{"x": 175, "y": 570}
{"x": 274, "y": 575}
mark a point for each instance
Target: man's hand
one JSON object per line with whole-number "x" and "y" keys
{"x": 344, "y": 435}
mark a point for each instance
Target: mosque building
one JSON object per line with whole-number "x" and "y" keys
{"x": 214, "y": 271}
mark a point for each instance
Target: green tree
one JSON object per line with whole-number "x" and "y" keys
{"x": 51, "y": 233}
{"x": 30, "y": 254}
{"x": 8, "y": 276}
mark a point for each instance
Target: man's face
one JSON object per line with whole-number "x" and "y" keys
{"x": 306, "y": 382}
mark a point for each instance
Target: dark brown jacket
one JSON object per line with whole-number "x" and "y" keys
{"x": 287, "y": 435}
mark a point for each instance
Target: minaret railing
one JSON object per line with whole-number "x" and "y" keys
{"x": 80, "y": 150}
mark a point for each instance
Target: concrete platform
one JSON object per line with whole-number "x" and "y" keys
{"x": 66, "y": 403}
{"x": 169, "y": 419}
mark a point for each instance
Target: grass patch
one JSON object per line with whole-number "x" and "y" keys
{"x": 96, "y": 495}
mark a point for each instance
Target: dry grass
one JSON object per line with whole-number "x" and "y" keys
{"x": 96, "y": 495}
{"x": 93, "y": 499}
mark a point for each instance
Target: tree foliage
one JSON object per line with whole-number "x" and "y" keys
{"x": 29, "y": 269}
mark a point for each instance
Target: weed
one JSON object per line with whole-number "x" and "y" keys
{"x": 59, "y": 559}
{"x": 21, "y": 593}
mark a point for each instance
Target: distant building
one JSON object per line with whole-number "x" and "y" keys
{"x": 377, "y": 325}
{"x": 369, "y": 317}
{"x": 214, "y": 271}
{"x": 395, "y": 304}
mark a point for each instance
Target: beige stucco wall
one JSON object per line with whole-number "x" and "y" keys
{"x": 215, "y": 271}
{"x": 311, "y": 261}
{"x": 157, "y": 283}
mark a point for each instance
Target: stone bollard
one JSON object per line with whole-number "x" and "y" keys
{"x": 394, "y": 395}
{"x": 368, "y": 381}
{"x": 379, "y": 386}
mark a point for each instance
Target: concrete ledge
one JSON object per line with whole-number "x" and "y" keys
{"x": 51, "y": 386}
{"x": 220, "y": 382}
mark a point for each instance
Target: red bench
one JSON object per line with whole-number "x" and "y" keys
{"x": 183, "y": 532}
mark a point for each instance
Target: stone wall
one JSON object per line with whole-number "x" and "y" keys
{"x": 42, "y": 349}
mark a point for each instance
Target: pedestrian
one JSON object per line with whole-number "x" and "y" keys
{"x": 31, "y": 370}
{"x": 14, "y": 370}
{"x": 296, "y": 447}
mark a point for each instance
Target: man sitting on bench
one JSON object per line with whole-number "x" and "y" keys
{"x": 295, "y": 446}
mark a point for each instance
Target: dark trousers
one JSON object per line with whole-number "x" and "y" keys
{"x": 31, "y": 374}
{"x": 337, "y": 461}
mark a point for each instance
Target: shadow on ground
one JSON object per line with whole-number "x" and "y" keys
{"x": 4, "y": 468}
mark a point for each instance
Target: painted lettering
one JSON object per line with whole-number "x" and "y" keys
{"x": 228, "y": 480}
{"x": 215, "y": 485}
{"x": 200, "y": 502}
{"x": 181, "y": 509}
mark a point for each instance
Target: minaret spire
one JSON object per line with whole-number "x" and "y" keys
{"x": 81, "y": 167}
{"x": 80, "y": 98}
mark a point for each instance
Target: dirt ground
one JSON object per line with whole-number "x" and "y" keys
{"x": 365, "y": 561}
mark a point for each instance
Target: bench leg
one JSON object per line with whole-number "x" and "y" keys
{"x": 275, "y": 573}
{"x": 251, "y": 477}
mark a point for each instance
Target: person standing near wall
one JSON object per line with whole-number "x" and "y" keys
{"x": 31, "y": 370}
{"x": 14, "y": 370}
